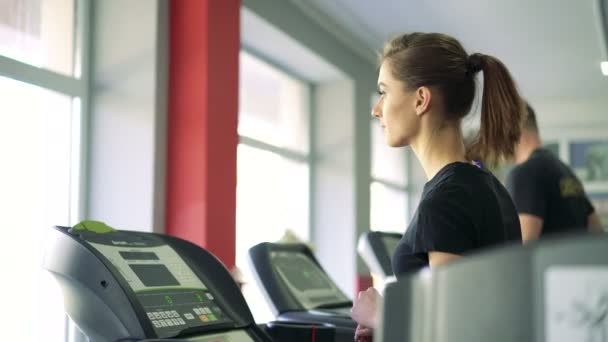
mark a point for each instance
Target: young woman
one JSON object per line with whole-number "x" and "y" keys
{"x": 426, "y": 84}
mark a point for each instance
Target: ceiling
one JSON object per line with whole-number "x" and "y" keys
{"x": 553, "y": 48}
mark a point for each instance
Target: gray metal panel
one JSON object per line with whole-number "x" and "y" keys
{"x": 498, "y": 295}
{"x": 396, "y": 316}
{"x": 482, "y": 299}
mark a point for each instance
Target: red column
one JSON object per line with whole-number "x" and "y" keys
{"x": 202, "y": 124}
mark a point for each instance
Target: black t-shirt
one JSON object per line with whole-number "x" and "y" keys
{"x": 462, "y": 209}
{"x": 543, "y": 186}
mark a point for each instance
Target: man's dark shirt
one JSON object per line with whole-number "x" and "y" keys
{"x": 545, "y": 187}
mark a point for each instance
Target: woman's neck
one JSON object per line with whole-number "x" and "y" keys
{"x": 436, "y": 148}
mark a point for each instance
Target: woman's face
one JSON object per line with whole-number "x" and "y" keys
{"x": 395, "y": 109}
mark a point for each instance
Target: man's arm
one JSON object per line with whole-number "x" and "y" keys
{"x": 531, "y": 227}
{"x": 594, "y": 223}
{"x": 528, "y": 191}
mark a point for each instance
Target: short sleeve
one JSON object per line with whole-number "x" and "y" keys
{"x": 445, "y": 224}
{"x": 526, "y": 190}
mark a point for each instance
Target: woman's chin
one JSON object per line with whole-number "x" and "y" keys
{"x": 395, "y": 143}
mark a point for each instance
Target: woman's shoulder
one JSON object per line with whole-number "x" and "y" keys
{"x": 453, "y": 191}
{"x": 456, "y": 178}
{"x": 465, "y": 186}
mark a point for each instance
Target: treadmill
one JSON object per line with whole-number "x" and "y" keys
{"x": 552, "y": 290}
{"x": 298, "y": 289}
{"x": 376, "y": 249}
{"x": 136, "y": 286}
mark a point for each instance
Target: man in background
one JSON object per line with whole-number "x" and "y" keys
{"x": 547, "y": 194}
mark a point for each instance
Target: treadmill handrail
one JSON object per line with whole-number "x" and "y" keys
{"x": 372, "y": 249}
{"x": 334, "y": 305}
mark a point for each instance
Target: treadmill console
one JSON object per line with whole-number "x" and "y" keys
{"x": 390, "y": 243}
{"x": 299, "y": 290}
{"x": 172, "y": 296}
{"x": 376, "y": 249}
{"x": 126, "y": 285}
{"x": 306, "y": 280}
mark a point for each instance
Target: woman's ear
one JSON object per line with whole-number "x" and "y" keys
{"x": 423, "y": 100}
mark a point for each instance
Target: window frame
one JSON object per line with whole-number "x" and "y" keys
{"x": 307, "y": 158}
{"x": 406, "y": 189}
{"x": 76, "y": 86}
{"x": 296, "y": 156}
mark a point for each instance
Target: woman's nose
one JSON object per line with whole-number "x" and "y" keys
{"x": 376, "y": 111}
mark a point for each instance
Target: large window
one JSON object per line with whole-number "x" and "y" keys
{"x": 273, "y": 163}
{"x": 389, "y": 209}
{"x": 39, "y": 32}
{"x": 41, "y": 114}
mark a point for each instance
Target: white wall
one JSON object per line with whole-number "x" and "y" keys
{"x": 571, "y": 118}
{"x": 126, "y": 182}
{"x": 333, "y": 192}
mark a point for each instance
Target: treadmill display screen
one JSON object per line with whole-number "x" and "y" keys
{"x": 303, "y": 273}
{"x": 154, "y": 275}
{"x": 138, "y": 255}
{"x": 173, "y": 297}
{"x": 390, "y": 243}
{"x": 306, "y": 280}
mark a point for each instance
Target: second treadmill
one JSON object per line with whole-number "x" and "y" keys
{"x": 298, "y": 289}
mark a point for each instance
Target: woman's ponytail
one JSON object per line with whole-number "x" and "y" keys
{"x": 502, "y": 112}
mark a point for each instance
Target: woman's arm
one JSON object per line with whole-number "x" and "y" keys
{"x": 365, "y": 306}
{"x": 594, "y": 223}
{"x": 439, "y": 258}
{"x": 531, "y": 227}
